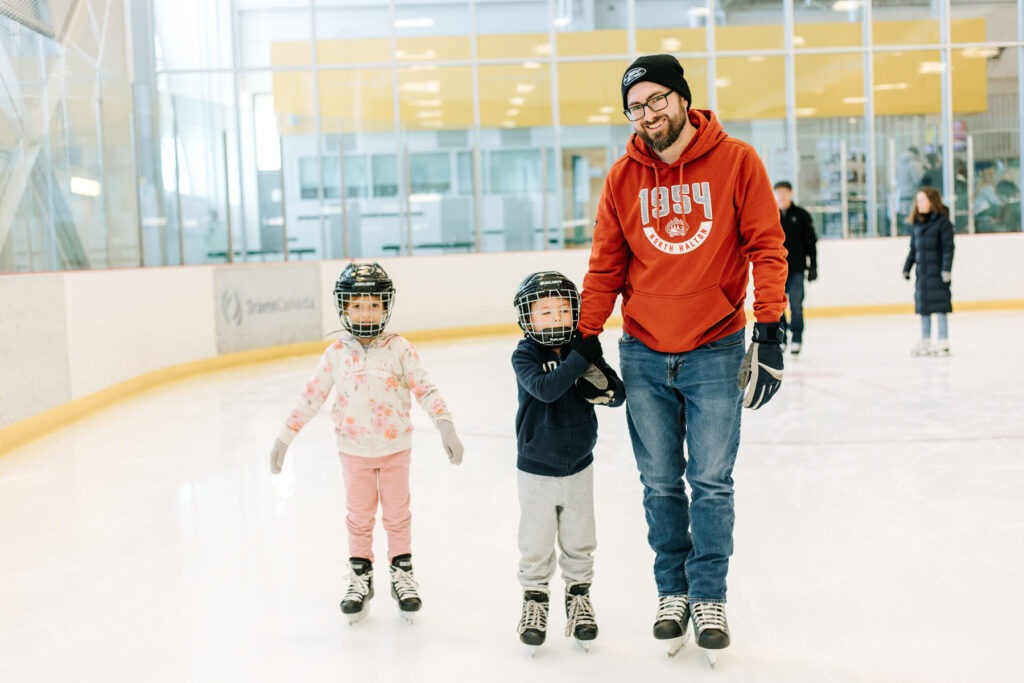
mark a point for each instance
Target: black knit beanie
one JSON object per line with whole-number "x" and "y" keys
{"x": 661, "y": 69}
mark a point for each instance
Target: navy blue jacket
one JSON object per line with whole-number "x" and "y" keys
{"x": 556, "y": 428}
{"x": 931, "y": 249}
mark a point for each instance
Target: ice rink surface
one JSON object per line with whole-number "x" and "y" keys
{"x": 880, "y": 531}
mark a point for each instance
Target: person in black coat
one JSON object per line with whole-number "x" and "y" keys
{"x": 931, "y": 250}
{"x": 802, "y": 257}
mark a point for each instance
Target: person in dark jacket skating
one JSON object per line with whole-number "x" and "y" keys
{"x": 931, "y": 250}
{"x": 802, "y": 257}
{"x": 561, "y": 376}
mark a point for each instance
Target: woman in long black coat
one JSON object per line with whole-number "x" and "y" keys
{"x": 931, "y": 249}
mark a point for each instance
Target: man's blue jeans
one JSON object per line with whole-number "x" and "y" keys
{"x": 795, "y": 293}
{"x": 691, "y": 398}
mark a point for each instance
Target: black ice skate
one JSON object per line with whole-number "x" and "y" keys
{"x": 533, "y": 624}
{"x": 672, "y": 621}
{"x": 403, "y": 587}
{"x": 579, "y": 614}
{"x": 710, "y": 628}
{"x": 356, "y": 603}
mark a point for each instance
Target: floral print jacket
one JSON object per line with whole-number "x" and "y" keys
{"x": 373, "y": 390}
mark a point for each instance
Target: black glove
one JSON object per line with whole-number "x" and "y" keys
{"x": 812, "y": 274}
{"x": 761, "y": 371}
{"x": 906, "y": 274}
{"x": 593, "y": 385}
{"x": 588, "y": 347}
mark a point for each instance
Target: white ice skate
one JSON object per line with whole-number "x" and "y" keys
{"x": 941, "y": 348}
{"x": 671, "y": 622}
{"x": 356, "y": 603}
{"x": 710, "y": 628}
{"x": 922, "y": 348}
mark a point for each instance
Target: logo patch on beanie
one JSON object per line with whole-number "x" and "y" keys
{"x": 632, "y": 75}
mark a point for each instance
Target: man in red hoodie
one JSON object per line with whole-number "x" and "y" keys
{"x": 683, "y": 215}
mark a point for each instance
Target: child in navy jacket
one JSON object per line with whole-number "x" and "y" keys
{"x": 561, "y": 376}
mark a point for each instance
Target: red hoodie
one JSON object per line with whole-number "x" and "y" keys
{"x": 677, "y": 242}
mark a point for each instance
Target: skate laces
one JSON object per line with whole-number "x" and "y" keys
{"x": 709, "y": 615}
{"x": 535, "y": 616}
{"x": 578, "y": 612}
{"x": 672, "y": 608}
{"x": 358, "y": 586}
{"x": 405, "y": 585}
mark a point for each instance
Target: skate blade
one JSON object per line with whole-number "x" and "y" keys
{"x": 354, "y": 619}
{"x": 407, "y": 617}
{"x": 676, "y": 644}
{"x": 584, "y": 644}
{"x": 712, "y": 657}
{"x": 533, "y": 651}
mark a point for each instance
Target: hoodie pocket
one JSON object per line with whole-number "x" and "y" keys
{"x": 679, "y": 317}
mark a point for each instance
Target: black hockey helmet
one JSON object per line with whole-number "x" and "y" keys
{"x": 360, "y": 280}
{"x": 548, "y": 283}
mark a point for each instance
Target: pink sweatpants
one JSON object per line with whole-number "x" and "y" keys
{"x": 367, "y": 482}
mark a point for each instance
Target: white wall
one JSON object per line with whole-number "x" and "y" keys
{"x": 64, "y": 336}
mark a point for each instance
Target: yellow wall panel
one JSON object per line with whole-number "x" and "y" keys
{"x": 293, "y": 92}
{"x": 505, "y": 89}
{"x": 907, "y": 83}
{"x": 591, "y": 43}
{"x": 826, "y": 35}
{"x": 429, "y": 48}
{"x": 751, "y": 88}
{"x": 513, "y": 45}
{"x": 589, "y": 93}
{"x": 656, "y": 40}
{"x": 970, "y": 82}
{"x": 357, "y": 100}
{"x": 829, "y": 85}
{"x": 359, "y": 51}
{"x": 290, "y": 53}
{"x": 905, "y": 32}
{"x": 755, "y": 37}
{"x": 967, "y": 30}
{"x": 435, "y": 98}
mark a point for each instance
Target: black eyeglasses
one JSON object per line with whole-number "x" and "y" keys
{"x": 657, "y": 103}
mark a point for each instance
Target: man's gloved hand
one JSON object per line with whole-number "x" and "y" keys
{"x": 277, "y": 456}
{"x": 450, "y": 442}
{"x": 588, "y": 347}
{"x": 593, "y": 386}
{"x": 761, "y": 371}
{"x": 812, "y": 274}
{"x": 947, "y": 276}
{"x": 906, "y": 274}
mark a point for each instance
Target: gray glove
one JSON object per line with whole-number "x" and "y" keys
{"x": 450, "y": 441}
{"x": 277, "y": 456}
{"x": 947, "y": 277}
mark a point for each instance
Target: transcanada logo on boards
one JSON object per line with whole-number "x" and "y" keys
{"x": 235, "y": 307}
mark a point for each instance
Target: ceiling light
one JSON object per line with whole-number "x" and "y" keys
{"x": 85, "y": 187}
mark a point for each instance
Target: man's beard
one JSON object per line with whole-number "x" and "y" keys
{"x": 667, "y": 136}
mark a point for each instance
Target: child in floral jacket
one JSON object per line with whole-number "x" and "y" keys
{"x": 374, "y": 375}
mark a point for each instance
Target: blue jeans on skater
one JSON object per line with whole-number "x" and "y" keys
{"x": 691, "y": 398}
{"x": 795, "y": 293}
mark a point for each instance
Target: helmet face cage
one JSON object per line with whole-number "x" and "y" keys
{"x": 363, "y": 283}
{"x": 546, "y": 285}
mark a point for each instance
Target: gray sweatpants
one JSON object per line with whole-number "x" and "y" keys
{"x": 556, "y": 509}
